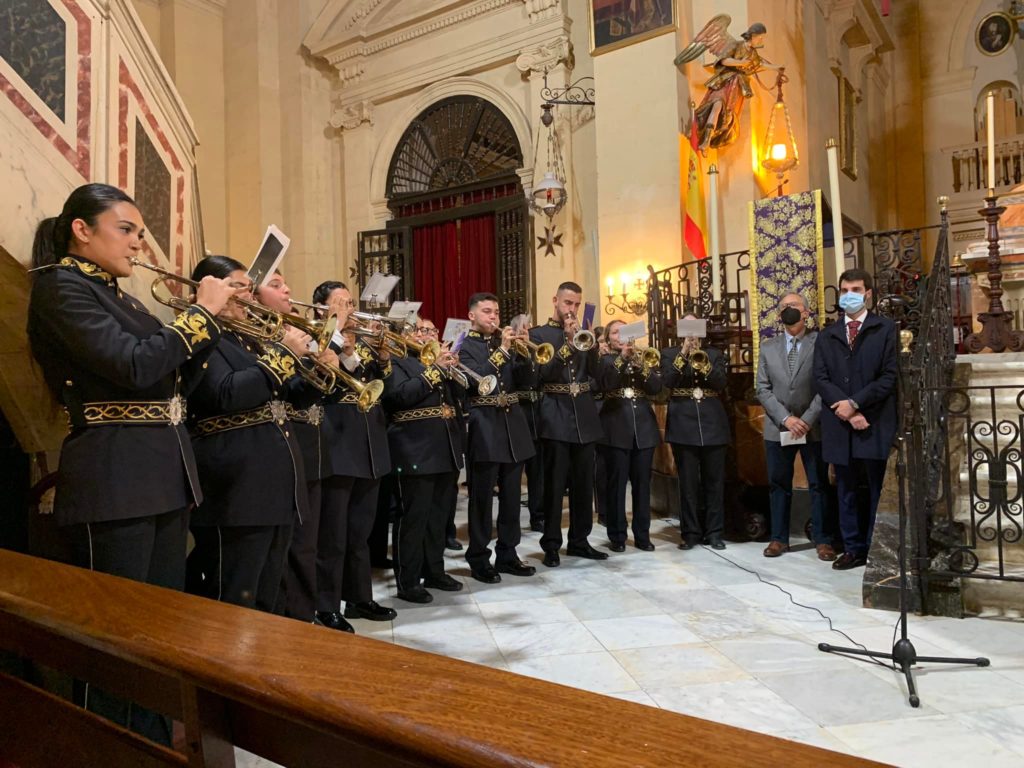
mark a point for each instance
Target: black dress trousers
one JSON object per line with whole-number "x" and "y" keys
{"x": 419, "y": 530}
{"x": 633, "y": 466}
{"x": 343, "y": 553}
{"x": 483, "y": 477}
{"x": 297, "y": 598}
{"x": 572, "y": 463}
{"x": 241, "y": 564}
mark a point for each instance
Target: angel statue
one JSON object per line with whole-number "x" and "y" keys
{"x": 736, "y": 61}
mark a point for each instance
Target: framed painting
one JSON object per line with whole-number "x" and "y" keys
{"x": 995, "y": 33}
{"x": 617, "y": 23}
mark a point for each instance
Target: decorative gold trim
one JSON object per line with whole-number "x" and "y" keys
{"x": 573, "y": 389}
{"x": 273, "y": 412}
{"x": 501, "y": 400}
{"x": 432, "y": 376}
{"x": 135, "y": 412}
{"x": 415, "y": 414}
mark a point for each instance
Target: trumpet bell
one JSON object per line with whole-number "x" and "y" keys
{"x": 487, "y": 384}
{"x": 651, "y": 357}
{"x": 369, "y": 394}
{"x": 583, "y": 340}
{"x": 545, "y": 353}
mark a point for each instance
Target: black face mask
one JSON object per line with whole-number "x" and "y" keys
{"x": 790, "y": 316}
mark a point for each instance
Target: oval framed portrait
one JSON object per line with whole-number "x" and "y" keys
{"x": 995, "y": 33}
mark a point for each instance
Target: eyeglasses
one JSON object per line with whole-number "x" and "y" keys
{"x": 423, "y": 329}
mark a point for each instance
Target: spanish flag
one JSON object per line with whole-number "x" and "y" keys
{"x": 691, "y": 183}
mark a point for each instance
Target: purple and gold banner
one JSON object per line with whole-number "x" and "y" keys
{"x": 786, "y": 256}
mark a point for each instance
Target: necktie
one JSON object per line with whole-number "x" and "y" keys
{"x": 791, "y": 356}
{"x": 852, "y": 328}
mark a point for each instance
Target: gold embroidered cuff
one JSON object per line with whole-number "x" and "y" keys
{"x": 432, "y": 376}
{"x": 279, "y": 361}
{"x": 194, "y": 326}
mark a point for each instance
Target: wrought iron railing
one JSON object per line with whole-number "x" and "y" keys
{"x": 894, "y": 257}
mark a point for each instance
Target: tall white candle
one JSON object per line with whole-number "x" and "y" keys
{"x": 716, "y": 287}
{"x": 990, "y": 102}
{"x": 832, "y": 149}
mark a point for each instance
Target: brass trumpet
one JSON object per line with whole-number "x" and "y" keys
{"x": 260, "y": 323}
{"x": 699, "y": 361}
{"x": 307, "y": 308}
{"x": 484, "y": 384}
{"x": 426, "y": 351}
{"x": 321, "y": 331}
{"x": 394, "y": 342}
{"x": 368, "y": 392}
{"x": 583, "y": 340}
{"x": 649, "y": 357}
{"x": 542, "y": 353}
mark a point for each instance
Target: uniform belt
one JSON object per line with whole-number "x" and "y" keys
{"x": 626, "y": 393}
{"x": 415, "y": 414}
{"x": 273, "y": 412}
{"x": 135, "y": 412}
{"x": 528, "y": 394}
{"x": 568, "y": 389}
{"x": 694, "y": 394}
{"x": 502, "y": 400}
{"x": 352, "y": 398}
{"x": 313, "y": 415}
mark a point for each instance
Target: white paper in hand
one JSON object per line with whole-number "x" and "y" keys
{"x": 632, "y": 331}
{"x": 454, "y": 327}
{"x": 786, "y": 438}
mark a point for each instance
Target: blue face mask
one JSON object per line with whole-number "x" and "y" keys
{"x": 851, "y": 303}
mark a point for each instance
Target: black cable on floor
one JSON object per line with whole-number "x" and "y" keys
{"x": 807, "y": 607}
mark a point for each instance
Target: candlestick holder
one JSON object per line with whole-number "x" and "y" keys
{"x": 633, "y": 302}
{"x": 997, "y": 332}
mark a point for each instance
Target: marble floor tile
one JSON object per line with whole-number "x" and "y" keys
{"x": 558, "y": 639}
{"x": 743, "y": 703}
{"x": 475, "y": 645}
{"x": 621, "y": 602}
{"x": 926, "y": 742}
{"x": 763, "y": 655}
{"x": 1004, "y": 726}
{"x": 723, "y": 623}
{"x": 667, "y": 666}
{"x": 690, "y": 600}
{"x": 637, "y": 697}
{"x": 512, "y": 613}
{"x": 245, "y": 759}
{"x": 597, "y": 672}
{"x": 640, "y": 632}
{"x": 844, "y": 696}
{"x": 520, "y": 589}
{"x": 580, "y": 580}
{"x": 431, "y": 619}
{"x": 816, "y": 737}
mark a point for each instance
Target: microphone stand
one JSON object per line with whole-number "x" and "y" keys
{"x": 903, "y": 652}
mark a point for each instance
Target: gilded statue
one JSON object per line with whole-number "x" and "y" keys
{"x": 736, "y": 62}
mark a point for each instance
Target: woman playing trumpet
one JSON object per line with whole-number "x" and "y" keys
{"x": 127, "y": 474}
{"x": 627, "y": 377}
{"x": 698, "y": 430}
{"x": 249, "y": 458}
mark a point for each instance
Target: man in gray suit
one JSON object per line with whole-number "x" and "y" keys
{"x": 785, "y": 387}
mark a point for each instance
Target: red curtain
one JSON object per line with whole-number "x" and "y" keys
{"x": 452, "y": 261}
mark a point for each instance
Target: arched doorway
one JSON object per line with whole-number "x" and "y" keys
{"x": 461, "y": 222}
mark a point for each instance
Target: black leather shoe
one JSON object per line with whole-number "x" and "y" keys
{"x": 846, "y": 561}
{"x": 453, "y": 543}
{"x": 333, "y": 620}
{"x": 444, "y": 582}
{"x": 371, "y": 610}
{"x": 586, "y": 551}
{"x": 487, "y": 575}
{"x": 386, "y": 564}
{"x": 552, "y": 560}
{"x": 687, "y": 544}
{"x": 516, "y": 568}
{"x": 537, "y": 527}
{"x": 715, "y": 542}
{"x": 415, "y": 595}
{"x": 646, "y": 546}
{"x": 617, "y": 547}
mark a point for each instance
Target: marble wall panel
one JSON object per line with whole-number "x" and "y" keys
{"x": 32, "y": 41}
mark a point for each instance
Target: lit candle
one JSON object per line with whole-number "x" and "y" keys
{"x": 832, "y": 150}
{"x": 609, "y": 283}
{"x": 716, "y": 286}
{"x": 625, "y": 286}
{"x": 990, "y": 102}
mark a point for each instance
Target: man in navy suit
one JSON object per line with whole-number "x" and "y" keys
{"x": 855, "y": 367}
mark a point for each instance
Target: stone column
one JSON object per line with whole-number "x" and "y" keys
{"x": 354, "y": 124}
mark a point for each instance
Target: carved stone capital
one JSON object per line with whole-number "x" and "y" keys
{"x": 546, "y": 56}
{"x": 539, "y": 10}
{"x": 348, "y": 117}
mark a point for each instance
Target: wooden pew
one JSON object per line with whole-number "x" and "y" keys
{"x": 306, "y": 696}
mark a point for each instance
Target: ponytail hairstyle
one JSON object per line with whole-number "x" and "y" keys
{"x": 757, "y": 28}
{"x": 53, "y": 235}
{"x": 218, "y": 266}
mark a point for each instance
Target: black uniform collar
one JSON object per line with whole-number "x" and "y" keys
{"x": 478, "y": 335}
{"x": 87, "y": 269}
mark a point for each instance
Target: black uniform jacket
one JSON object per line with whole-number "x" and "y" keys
{"x": 356, "y": 442}
{"x": 422, "y": 446}
{"x": 98, "y": 345}
{"x": 691, "y": 421}
{"x": 252, "y": 475}
{"x": 305, "y": 407}
{"x": 626, "y": 414}
{"x": 497, "y": 433}
{"x": 562, "y": 416}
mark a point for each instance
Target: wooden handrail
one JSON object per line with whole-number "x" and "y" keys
{"x": 303, "y": 695}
